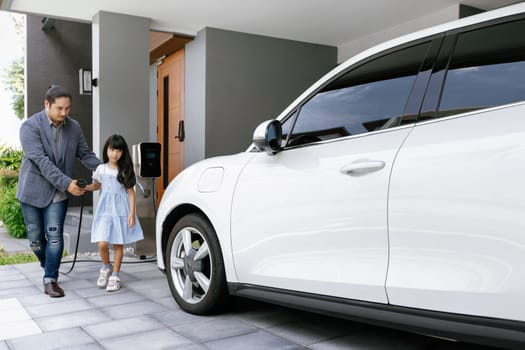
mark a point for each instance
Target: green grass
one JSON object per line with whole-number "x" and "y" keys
{"x": 16, "y": 258}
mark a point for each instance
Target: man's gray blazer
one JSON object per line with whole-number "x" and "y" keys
{"x": 40, "y": 173}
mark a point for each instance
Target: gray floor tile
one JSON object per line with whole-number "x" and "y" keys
{"x": 152, "y": 283}
{"x": 58, "y": 308}
{"x": 365, "y": 339}
{"x": 77, "y": 284}
{"x": 71, "y": 320}
{"x": 252, "y": 341}
{"x": 10, "y": 275}
{"x": 35, "y": 266}
{"x": 178, "y": 317}
{"x": 168, "y": 302}
{"x": 109, "y": 299}
{"x": 158, "y": 339}
{"x": 41, "y": 299}
{"x": 19, "y": 292}
{"x": 19, "y": 283}
{"x": 123, "y": 327}
{"x": 311, "y": 330}
{"x": 92, "y": 291}
{"x": 51, "y": 340}
{"x": 217, "y": 328}
{"x": 3, "y": 344}
{"x": 90, "y": 346}
{"x": 268, "y": 317}
{"x": 133, "y": 309}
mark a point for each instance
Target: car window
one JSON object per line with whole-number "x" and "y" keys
{"x": 367, "y": 98}
{"x": 487, "y": 69}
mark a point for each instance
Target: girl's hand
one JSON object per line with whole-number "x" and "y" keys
{"x": 93, "y": 186}
{"x": 131, "y": 220}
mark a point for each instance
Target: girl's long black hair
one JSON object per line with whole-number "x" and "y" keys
{"x": 126, "y": 174}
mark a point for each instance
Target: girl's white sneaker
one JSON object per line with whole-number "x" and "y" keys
{"x": 113, "y": 284}
{"x": 102, "y": 280}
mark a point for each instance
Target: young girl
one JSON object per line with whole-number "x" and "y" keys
{"x": 115, "y": 220}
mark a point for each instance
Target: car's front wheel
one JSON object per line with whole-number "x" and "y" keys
{"x": 195, "y": 267}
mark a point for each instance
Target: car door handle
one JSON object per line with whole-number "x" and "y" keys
{"x": 360, "y": 167}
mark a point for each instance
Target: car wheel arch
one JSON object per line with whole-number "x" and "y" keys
{"x": 174, "y": 216}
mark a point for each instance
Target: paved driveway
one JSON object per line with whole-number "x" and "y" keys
{"x": 143, "y": 315}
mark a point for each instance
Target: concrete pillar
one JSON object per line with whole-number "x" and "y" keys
{"x": 121, "y": 66}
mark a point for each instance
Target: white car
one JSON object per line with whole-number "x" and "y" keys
{"x": 391, "y": 192}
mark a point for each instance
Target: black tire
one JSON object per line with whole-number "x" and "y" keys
{"x": 195, "y": 267}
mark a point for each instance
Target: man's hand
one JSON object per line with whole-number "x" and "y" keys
{"x": 75, "y": 190}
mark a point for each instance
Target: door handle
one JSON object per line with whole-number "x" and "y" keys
{"x": 181, "y": 134}
{"x": 363, "y": 166}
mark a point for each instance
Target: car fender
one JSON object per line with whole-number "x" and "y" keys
{"x": 207, "y": 186}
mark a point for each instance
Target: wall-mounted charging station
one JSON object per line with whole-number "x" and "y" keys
{"x": 147, "y": 166}
{"x": 148, "y": 159}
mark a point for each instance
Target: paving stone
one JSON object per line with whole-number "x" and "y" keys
{"x": 312, "y": 330}
{"x": 268, "y": 317}
{"x": 19, "y": 283}
{"x": 10, "y": 275}
{"x": 177, "y": 317}
{"x": 123, "y": 327}
{"x": 51, "y": 340}
{"x": 92, "y": 291}
{"x": 71, "y": 320}
{"x": 169, "y": 302}
{"x": 133, "y": 309}
{"x": 3, "y": 345}
{"x": 90, "y": 346}
{"x": 115, "y": 298}
{"x": 58, "y": 308}
{"x": 158, "y": 339}
{"x": 41, "y": 299}
{"x": 260, "y": 340}
{"x": 19, "y": 292}
{"x": 217, "y": 328}
{"x": 78, "y": 284}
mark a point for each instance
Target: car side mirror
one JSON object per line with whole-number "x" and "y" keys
{"x": 267, "y": 136}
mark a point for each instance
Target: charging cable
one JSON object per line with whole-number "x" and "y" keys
{"x": 82, "y": 184}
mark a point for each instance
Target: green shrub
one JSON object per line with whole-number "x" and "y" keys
{"x": 17, "y": 258}
{"x": 10, "y": 158}
{"x": 10, "y": 211}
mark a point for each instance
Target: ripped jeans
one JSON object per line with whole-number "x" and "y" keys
{"x": 44, "y": 228}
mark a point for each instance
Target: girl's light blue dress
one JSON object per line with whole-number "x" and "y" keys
{"x": 110, "y": 222}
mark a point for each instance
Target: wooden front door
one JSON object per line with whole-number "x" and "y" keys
{"x": 170, "y": 117}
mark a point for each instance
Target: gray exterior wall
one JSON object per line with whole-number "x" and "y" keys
{"x": 195, "y": 99}
{"x": 54, "y": 57}
{"x": 235, "y": 80}
{"x": 121, "y": 65}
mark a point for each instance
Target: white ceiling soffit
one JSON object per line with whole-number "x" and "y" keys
{"x": 329, "y": 22}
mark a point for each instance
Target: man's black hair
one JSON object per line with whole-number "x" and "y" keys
{"x": 56, "y": 91}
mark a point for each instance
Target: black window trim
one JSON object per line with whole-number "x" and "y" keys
{"x": 451, "y": 36}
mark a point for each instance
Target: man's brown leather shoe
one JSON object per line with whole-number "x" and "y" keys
{"x": 53, "y": 290}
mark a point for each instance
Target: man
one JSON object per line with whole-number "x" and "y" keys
{"x": 51, "y": 140}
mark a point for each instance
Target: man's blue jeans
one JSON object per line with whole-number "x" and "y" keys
{"x": 45, "y": 230}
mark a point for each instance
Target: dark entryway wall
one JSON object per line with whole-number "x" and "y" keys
{"x": 54, "y": 56}
{"x": 236, "y": 80}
